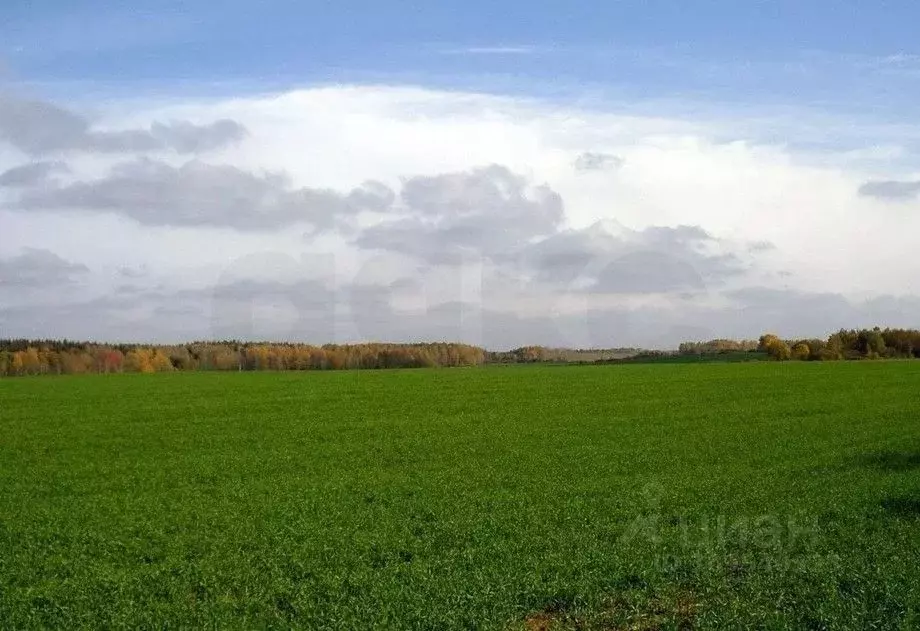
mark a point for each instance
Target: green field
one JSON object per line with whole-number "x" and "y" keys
{"x": 756, "y": 495}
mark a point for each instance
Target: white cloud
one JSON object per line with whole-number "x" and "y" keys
{"x": 742, "y": 193}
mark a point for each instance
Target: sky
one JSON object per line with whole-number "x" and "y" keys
{"x": 573, "y": 174}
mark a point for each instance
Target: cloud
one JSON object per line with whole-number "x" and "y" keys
{"x": 597, "y": 161}
{"x": 796, "y": 313}
{"x": 311, "y": 311}
{"x": 616, "y": 260}
{"x": 480, "y": 212}
{"x": 199, "y": 194}
{"x": 761, "y": 246}
{"x": 891, "y": 190}
{"x": 30, "y": 174}
{"x": 186, "y": 137}
{"x": 304, "y": 310}
{"x": 126, "y": 271}
{"x": 38, "y": 127}
{"x": 446, "y": 248}
{"x": 38, "y": 268}
{"x": 648, "y": 272}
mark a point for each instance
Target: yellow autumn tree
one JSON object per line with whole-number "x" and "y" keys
{"x": 800, "y": 351}
{"x": 776, "y": 348}
{"x": 139, "y": 360}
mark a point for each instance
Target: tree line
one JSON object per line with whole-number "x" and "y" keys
{"x": 36, "y": 357}
{"x": 41, "y": 357}
{"x": 535, "y": 354}
{"x": 875, "y": 343}
{"x": 717, "y": 346}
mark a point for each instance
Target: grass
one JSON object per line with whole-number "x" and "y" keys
{"x": 752, "y": 495}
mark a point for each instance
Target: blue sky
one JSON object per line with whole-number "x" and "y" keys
{"x": 846, "y": 55}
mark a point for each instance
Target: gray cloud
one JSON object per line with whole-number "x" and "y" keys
{"x": 38, "y": 268}
{"x": 653, "y": 260}
{"x": 495, "y": 214}
{"x": 648, "y": 271}
{"x": 31, "y": 174}
{"x": 482, "y": 212}
{"x": 486, "y": 213}
{"x": 891, "y": 190}
{"x": 37, "y": 128}
{"x": 109, "y": 318}
{"x": 793, "y": 313}
{"x": 186, "y": 137}
{"x": 200, "y": 194}
{"x": 313, "y": 312}
{"x": 597, "y": 161}
{"x": 489, "y": 213}
{"x": 246, "y": 309}
{"x": 126, "y": 271}
{"x": 309, "y": 307}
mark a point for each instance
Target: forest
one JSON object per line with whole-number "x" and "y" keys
{"x": 873, "y": 343}
{"x": 33, "y": 357}
{"x": 37, "y": 357}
